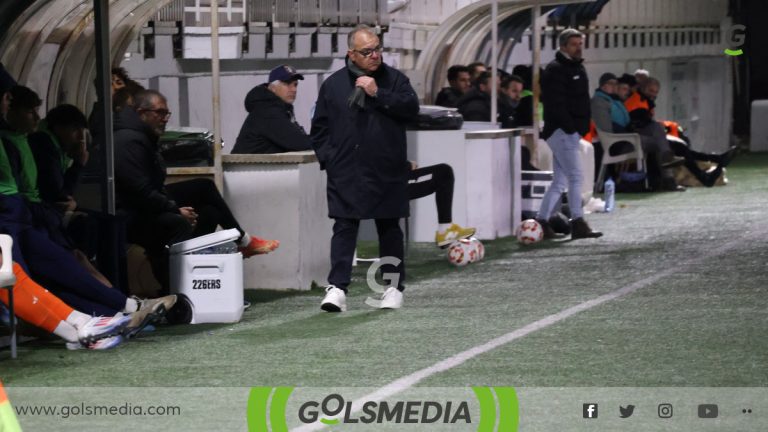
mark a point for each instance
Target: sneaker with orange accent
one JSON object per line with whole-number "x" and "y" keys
{"x": 259, "y": 246}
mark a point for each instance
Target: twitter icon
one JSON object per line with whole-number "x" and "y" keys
{"x": 626, "y": 412}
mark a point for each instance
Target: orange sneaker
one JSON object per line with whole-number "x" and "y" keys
{"x": 258, "y": 246}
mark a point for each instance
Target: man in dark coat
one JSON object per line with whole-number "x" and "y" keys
{"x": 271, "y": 126}
{"x": 475, "y": 104}
{"x": 459, "y": 82}
{"x": 565, "y": 91}
{"x": 358, "y": 133}
{"x": 160, "y": 215}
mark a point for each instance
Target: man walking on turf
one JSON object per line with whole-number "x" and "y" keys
{"x": 565, "y": 92}
{"x": 358, "y": 134}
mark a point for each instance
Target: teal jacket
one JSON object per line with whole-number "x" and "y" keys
{"x": 619, "y": 116}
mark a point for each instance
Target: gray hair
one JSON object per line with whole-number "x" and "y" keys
{"x": 145, "y": 98}
{"x": 567, "y": 34}
{"x": 650, "y": 81}
{"x": 356, "y": 30}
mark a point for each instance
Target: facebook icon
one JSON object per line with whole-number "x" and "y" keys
{"x": 590, "y": 410}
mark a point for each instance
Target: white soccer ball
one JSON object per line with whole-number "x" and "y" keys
{"x": 530, "y": 232}
{"x": 460, "y": 253}
{"x": 478, "y": 247}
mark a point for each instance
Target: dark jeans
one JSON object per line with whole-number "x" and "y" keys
{"x": 156, "y": 232}
{"x": 441, "y": 184}
{"x": 343, "y": 246}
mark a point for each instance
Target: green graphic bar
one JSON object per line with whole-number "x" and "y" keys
{"x": 258, "y": 401}
{"x": 509, "y": 415}
{"x": 487, "y": 409}
{"x": 277, "y": 409}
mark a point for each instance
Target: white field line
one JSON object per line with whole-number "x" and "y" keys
{"x": 411, "y": 380}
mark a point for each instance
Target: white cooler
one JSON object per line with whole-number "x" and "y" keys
{"x": 213, "y": 283}
{"x": 533, "y": 184}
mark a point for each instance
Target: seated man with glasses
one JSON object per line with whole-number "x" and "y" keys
{"x": 160, "y": 215}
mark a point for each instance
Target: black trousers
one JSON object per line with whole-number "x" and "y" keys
{"x": 343, "y": 245}
{"x": 158, "y": 231}
{"x": 441, "y": 184}
{"x": 692, "y": 156}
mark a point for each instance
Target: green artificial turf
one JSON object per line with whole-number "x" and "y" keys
{"x": 703, "y": 325}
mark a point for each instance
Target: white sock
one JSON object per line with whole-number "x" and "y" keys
{"x": 77, "y": 319}
{"x": 66, "y": 331}
{"x": 443, "y": 227}
{"x": 131, "y": 305}
{"x": 245, "y": 240}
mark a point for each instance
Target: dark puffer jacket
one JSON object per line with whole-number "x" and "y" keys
{"x": 270, "y": 127}
{"x": 139, "y": 168}
{"x": 565, "y": 94}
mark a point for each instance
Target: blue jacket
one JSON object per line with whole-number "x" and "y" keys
{"x": 619, "y": 115}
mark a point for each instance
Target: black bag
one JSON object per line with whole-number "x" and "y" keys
{"x": 437, "y": 118}
{"x": 187, "y": 149}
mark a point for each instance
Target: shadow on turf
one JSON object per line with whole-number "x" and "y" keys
{"x": 321, "y": 325}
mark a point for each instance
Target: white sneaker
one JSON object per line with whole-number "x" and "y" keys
{"x": 101, "y": 344}
{"x": 335, "y": 300}
{"x": 392, "y": 299}
{"x": 102, "y": 327}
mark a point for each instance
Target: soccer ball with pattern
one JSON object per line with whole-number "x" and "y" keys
{"x": 530, "y": 232}
{"x": 461, "y": 253}
{"x": 478, "y": 247}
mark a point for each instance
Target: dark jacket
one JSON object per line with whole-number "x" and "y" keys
{"x": 139, "y": 168}
{"x": 271, "y": 126}
{"x": 363, "y": 150}
{"x": 54, "y": 181}
{"x": 565, "y": 94}
{"x": 475, "y": 105}
{"x": 448, "y": 97}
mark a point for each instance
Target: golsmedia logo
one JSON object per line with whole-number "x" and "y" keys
{"x": 425, "y": 412}
{"x": 736, "y": 36}
{"x": 267, "y": 410}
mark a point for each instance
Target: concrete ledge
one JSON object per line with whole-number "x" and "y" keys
{"x": 298, "y": 157}
{"x": 498, "y": 133}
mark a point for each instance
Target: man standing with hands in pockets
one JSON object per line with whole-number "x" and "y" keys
{"x": 358, "y": 134}
{"x": 565, "y": 93}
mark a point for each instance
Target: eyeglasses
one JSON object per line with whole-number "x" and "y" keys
{"x": 369, "y": 51}
{"x": 164, "y": 113}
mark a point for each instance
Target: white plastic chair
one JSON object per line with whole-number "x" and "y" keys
{"x": 7, "y": 281}
{"x": 608, "y": 139}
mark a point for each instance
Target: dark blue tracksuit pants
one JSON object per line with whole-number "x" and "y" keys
{"x": 52, "y": 266}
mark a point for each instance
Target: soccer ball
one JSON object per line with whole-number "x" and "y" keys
{"x": 478, "y": 247}
{"x": 461, "y": 253}
{"x": 530, "y": 232}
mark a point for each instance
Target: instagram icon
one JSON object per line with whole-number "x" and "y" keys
{"x": 665, "y": 410}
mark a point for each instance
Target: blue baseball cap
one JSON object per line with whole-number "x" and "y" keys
{"x": 284, "y": 73}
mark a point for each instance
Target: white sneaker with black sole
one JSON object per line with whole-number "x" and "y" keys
{"x": 335, "y": 300}
{"x": 391, "y": 299}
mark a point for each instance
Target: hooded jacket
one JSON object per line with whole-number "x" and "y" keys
{"x": 270, "y": 127}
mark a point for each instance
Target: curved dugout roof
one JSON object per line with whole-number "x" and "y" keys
{"x": 465, "y": 37}
{"x": 49, "y": 45}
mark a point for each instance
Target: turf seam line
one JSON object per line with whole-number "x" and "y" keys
{"x": 408, "y": 381}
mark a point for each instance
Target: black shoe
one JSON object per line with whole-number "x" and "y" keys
{"x": 549, "y": 233}
{"x": 580, "y": 229}
{"x": 728, "y": 156}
